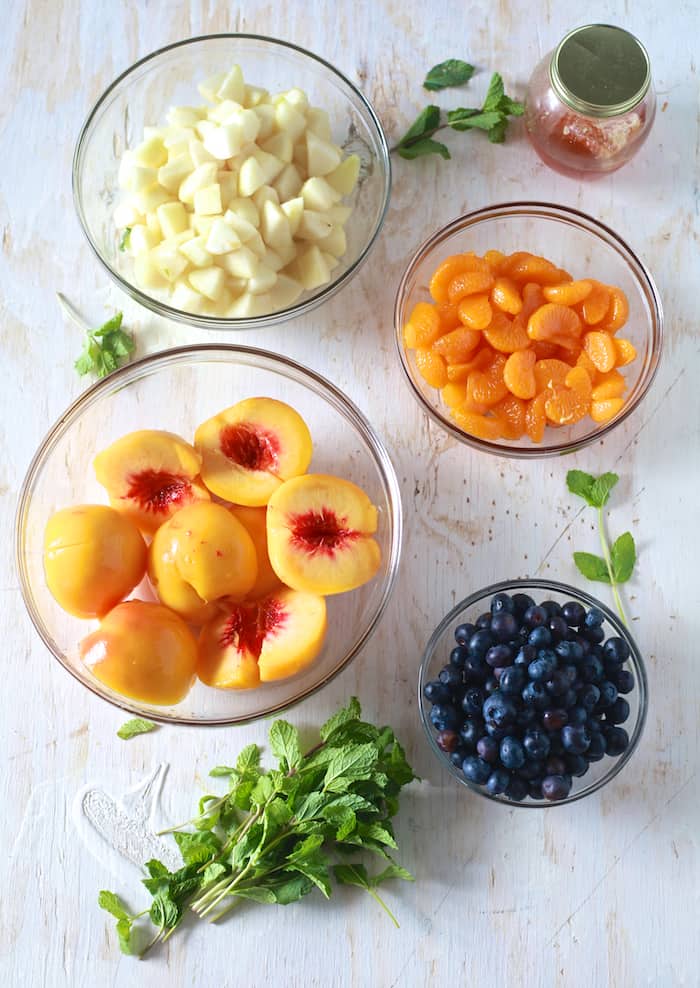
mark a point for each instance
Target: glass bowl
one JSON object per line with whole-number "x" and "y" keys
{"x": 142, "y": 95}
{"x": 437, "y": 652}
{"x": 176, "y": 390}
{"x": 572, "y": 240}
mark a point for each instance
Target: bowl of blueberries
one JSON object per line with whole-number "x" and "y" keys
{"x": 532, "y": 693}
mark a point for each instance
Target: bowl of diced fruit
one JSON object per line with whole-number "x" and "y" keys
{"x": 532, "y": 693}
{"x": 231, "y": 181}
{"x": 525, "y": 355}
{"x": 208, "y": 535}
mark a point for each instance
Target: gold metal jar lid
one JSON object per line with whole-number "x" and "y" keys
{"x": 600, "y": 70}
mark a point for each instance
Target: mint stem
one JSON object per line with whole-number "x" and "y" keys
{"x": 377, "y": 898}
{"x": 608, "y": 562}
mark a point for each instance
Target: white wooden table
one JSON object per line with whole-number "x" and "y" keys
{"x": 604, "y": 892}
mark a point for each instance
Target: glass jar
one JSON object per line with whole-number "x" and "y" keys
{"x": 590, "y": 103}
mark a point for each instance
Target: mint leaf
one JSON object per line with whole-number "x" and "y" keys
{"x": 494, "y": 93}
{"x": 352, "y": 711}
{"x": 600, "y": 491}
{"x": 125, "y": 239}
{"x": 375, "y": 832}
{"x": 248, "y": 760}
{"x": 451, "y": 72}
{"x": 284, "y": 742}
{"x": 124, "y": 936}
{"x": 112, "y": 325}
{"x": 623, "y": 556}
{"x": 220, "y": 771}
{"x": 293, "y": 889}
{"x": 392, "y": 871}
{"x": 580, "y": 483}
{"x": 111, "y": 902}
{"x": 352, "y": 874}
{"x": 480, "y": 121}
{"x": 511, "y": 107}
{"x": 105, "y": 348}
{"x": 316, "y": 870}
{"x": 164, "y": 912}
{"x": 497, "y": 133}
{"x": 198, "y": 847}
{"x": 257, "y": 893}
{"x": 425, "y": 123}
{"x": 424, "y": 147}
{"x": 356, "y": 761}
{"x": 138, "y": 725}
{"x": 592, "y": 567}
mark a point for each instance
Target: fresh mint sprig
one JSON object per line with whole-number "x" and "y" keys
{"x": 105, "y": 348}
{"x": 137, "y": 725}
{"x": 617, "y": 562}
{"x": 452, "y": 72}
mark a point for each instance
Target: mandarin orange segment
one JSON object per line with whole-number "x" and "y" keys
{"x": 583, "y": 360}
{"x": 479, "y": 361}
{"x": 554, "y": 323}
{"x": 536, "y": 417}
{"x": 506, "y": 296}
{"x": 625, "y": 353}
{"x": 510, "y": 412}
{"x": 423, "y": 326}
{"x": 477, "y": 425}
{"x": 595, "y": 305}
{"x": 506, "y": 335}
{"x": 457, "y": 345}
{"x": 443, "y": 275}
{"x": 523, "y": 266}
{"x": 618, "y": 311}
{"x": 533, "y": 298}
{"x": 603, "y": 411}
{"x": 449, "y": 316}
{"x": 494, "y": 259}
{"x": 475, "y": 311}
{"x": 600, "y": 347}
{"x": 431, "y": 367}
{"x": 564, "y": 406}
{"x": 549, "y": 373}
{"x": 454, "y": 394}
{"x": 611, "y": 385}
{"x": 519, "y": 375}
{"x": 469, "y": 283}
{"x": 568, "y": 293}
{"x": 488, "y": 387}
{"x": 545, "y": 351}
{"x": 578, "y": 380}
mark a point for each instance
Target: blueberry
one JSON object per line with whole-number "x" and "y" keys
{"x": 490, "y": 685}
{"x": 589, "y": 696}
{"x": 535, "y": 695}
{"x": 535, "y": 616}
{"x": 575, "y": 739}
{"x": 526, "y": 716}
{"x": 512, "y": 753}
{"x": 521, "y": 602}
{"x": 498, "y": 781}
{"x": 608, "y": 694}
{"x": 618, "y": 712}
{"x": 558, "y": 683}
{"x": 470, "y": 733}
{"x": 554, "y": 719}
{"x": 525, "y": 656}
{"x": 535, "y": 789}
{"x": 594, "y": 618}
{"x": 576, "y": 765}
{"x": 569, "y": 651}
{"x": 447, "y": 741}
{"x": 555, "y": 765}
{"x": 543, "y": 666}
{"x": 536, "y": 744}
{"x": 502, "y": 602}
{"x": 436, "y": 692}
{"x": 596, "y": 749}
{"x": 480, "y": 642}
{"x": 594, "y": 635}
{"x": 616, "y": 650}
{"x": 570, "y": 672}
{"x": 569, "y": 698}
{"x": 512, "y": 680}
{"x": 532, "y": 770}
{"x": 540, "y": 637}
{"x": 499, "y": 710}
{"x": 487, "y": 748}
{"x": 499, "y": 655}
{"x": 573, "y": 613}
{"x": 616, "y": 740}
{"x": 449, "y": 676}
{"x": 498, "y": 672}
{"x": 558, "y": 628}
{"x": 517, "y": 789}
{"x": 475, "y": 670}
{"x": 503, "y": 626}
{"x": 476, "y": 770}
{"x": 498, "y": 733}
{"x": 584, "y": 643}
{"x": 444, "y": 717}
{"x": 591, "y": 669}
{"x": 624, "y": 680}
{"x": 473, "y": 701}
{"x": 458, "y": 656}
{"x": 483, "y": 621}
{"x": 463, "y": 633}
{"x": 555, "y": 787}
{"x": 577, "y": 715}
{"x": 552, "y": 608}
{"x": 458, "y": 756}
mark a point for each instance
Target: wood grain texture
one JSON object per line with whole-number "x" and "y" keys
{"x": 604, "y": 892}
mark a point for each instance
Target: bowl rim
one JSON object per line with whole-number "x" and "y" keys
{"x": 216, "y": 322}
{"x": 547, "y": 211}
{"x": 144, "y": 367}
{"x": 635, "y": 659}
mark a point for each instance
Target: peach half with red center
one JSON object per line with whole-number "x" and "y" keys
{"x": 319, "y": 534}
{"x": 149, "y": 475}
{"x": 262, "y": 641}
{"x": 93, "y": 558}
{"x": 201, "y": 555}
{"x": 143, "y": 651}
{"x": 248, "y": 450}
{"x": 254, "y": 520}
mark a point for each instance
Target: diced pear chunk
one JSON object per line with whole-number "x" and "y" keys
{"x": 262, "y": 281}
{"x": 147, "y": 274}
{"x": 149, "y": 200}
{"x": 289, "y": 119}
{"x": 294, "y": 210}
{"x": 222, "y": 238}
{"x": 207, "y": 201}
{"x": 228, "y": 185}
{"x": 288, "y": 183}
{"x": 134, "y": 177}
{"x": 153, "y": 224}
{"x": 172, "y": 174}
{"x": 244, "y": 230}
{"x": 250, "y": 177}
{"x": 246, "y": 209}
{"x": 312, "y": 268}
{"x": 196, "y": 252}
{"x": 265, "y": 194}
{"x": 275, "y": 227}
{"x": 322, "y": 156}
{"x": 241, "y": 263}
{"x": 173, "y": 218}
{"x": 224, "y": 142}
{"x": 211, "y": 86}
{"x": 318, "y": 122}
{"x": 330, "y": 260}
{"x": 271, "y": 165}
{"x": 285, "y": 292}
{"x": 298, "y": 98}
{"x": 233, "y": 85}
{"x": 223, "y": 111}
{"x": 126, "y": 214}
{"x": 199, "y": 154}
{"x": 339, "y": 214}
{"x": 150, "y": 153}
{"x": 168, "y": 260}
{"x": 344, "y": 177}
{"x": 313, "y": 226}
{"x": 254, "y": 96}
{"x": 208, "y": 281}
{"x": 186, "y": 298}
{"x": 318, "y": 194}
{"x": 202, "y": 224}
{"x": 265, "y": 113}
{"x": 280, "y": 145}
{"x": 202, "y": 176}
{"x": 177, "y": 136}
{"x": 141, "y": 239}
{"x": 335, "y": 243}
{"x": 204, "y": 128}
{"x": 183, "y": 116}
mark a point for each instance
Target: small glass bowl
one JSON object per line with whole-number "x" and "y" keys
{"x": 142, "y": 95}
{"x": 437, "y": 653}
{"x": 176, "y": 390}
{"x": 572, "y": 240}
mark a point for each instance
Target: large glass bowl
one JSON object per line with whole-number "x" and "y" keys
{"x": 176, "y": 390}
{"x": 573, "y": 240}
{"x": 142, "y": 95}
{"x": 437, "y": 653}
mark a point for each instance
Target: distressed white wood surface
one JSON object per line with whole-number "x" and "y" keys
{"x": 604, "y": 892}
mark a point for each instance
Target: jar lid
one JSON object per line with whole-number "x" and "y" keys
{"x": 600, "y": 70}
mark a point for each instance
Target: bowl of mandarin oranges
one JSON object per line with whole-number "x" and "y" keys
{"x": 208, "y": 535}
{"x": 527, "y": 329}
